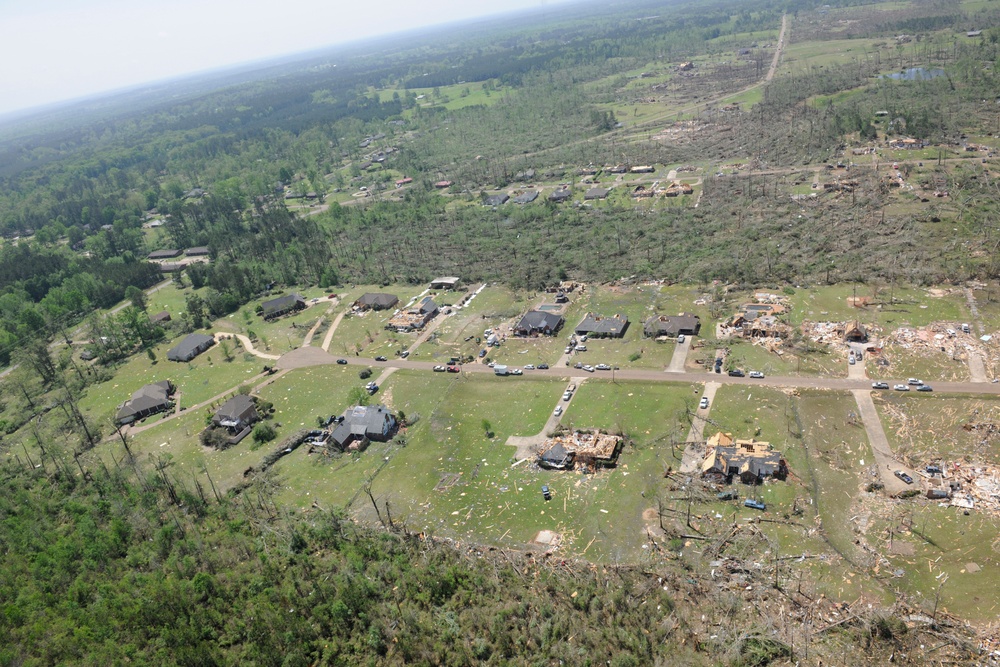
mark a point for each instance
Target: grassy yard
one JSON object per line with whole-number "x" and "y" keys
{"x": 928, "y": 365}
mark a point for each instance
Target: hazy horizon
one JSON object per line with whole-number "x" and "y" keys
{"x": 71, "y": 49}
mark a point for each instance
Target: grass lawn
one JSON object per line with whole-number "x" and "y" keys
{"x": 750, "y": 357}
{"x": 900, "y": 306}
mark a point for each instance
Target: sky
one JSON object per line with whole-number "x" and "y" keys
{"x": 55, "y": 50}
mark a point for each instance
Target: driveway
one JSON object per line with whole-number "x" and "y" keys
{"x": 680, "y": 356}
{"x": 884, "y": 458}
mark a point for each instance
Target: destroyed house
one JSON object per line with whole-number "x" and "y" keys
{"x": 148, "y": 400}
{"x": 537, "y": 322}
{"x": 362, "y": 423}
{"x": 749, "y": 460}
{"x": 588, "y": 448}
{"x": 556, "y": 457}
{"x": 376, "y": 301}
{"x": 190, "y": 347}
{"x": 855, "y": 332}
{"x": 283, "y": 304}
{"x": 672, "y": 325}
{"x": 598, "y": 326}
{"x": 413, "y": 318}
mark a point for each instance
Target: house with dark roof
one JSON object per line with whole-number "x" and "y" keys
{"x": 599, "y": 326}
{"x": 163, "y": 254}
{"x": 237, "y": 416}
{"x": 148, "y": 400}
{"x": 162, "y": 316}
{"x": 288, "y": 303}
{"x": 171, "y": 267}
{"x": 538, "y": 322}
{"x": 560, "y": 195}
{"x": 445, "y": 282}
{"x": 526, "y": 197}
{"x": 556, "y": 457}
{"x": 189, "y": 348}
{"x": 376, "y": 301}
{"x": 362, "y": 423}
{"x": 596, "y": 193}
{"x": 672, "y": 326}
{"x": 496, "y": 200}
{"x": 413, "y": 318}
{"x": 197, "y": 251}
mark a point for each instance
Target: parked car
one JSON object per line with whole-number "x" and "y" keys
{"x": 900, "y": 387}
{"x": 736, "y": 373}
{"x": 454, "y": 369}
{"x": 529, "y": 367}
{"x": 404, "y": 354}
{"x": 516, "y": 371}
{"x": 933, "y": 470}
{"x": 439, "y": 369}
{"x": 580, "y": 348}
{"x": 341, "y": 361}
{"x": 545, "y": 493}
{"x": 728, "y": 495}
{"x": 704, "y": 402}
{"x": 380, "y": 358}
{"x": 543, "y": 367}
{"x": 569, "y": 348}
{"x": 914, "y": 381}
{"x": 850, "y": 360}
{"x": 680, "y": 338}
{"x": 589, "y": 369}
{"x": 602, "y": 367}
{"x": 880, "y": 385}
{"x": 756, "y": 375}
{"x": 567, "y": 395}
{"x": 924, "y": 387}
{"x": 754, "y": 504}
{"x": 558, "y": 411}
{"x": 903, "y": 476}
{"x": 482, "y": 353}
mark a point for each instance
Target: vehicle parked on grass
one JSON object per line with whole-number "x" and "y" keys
{"x": 580, "y": 348}
{"x": 880, "y": 385}
{"x": 903, "y": 476}
{"x": 545, "y": 493}
{"x": 754, "y": 504}
{"x": 728, "y": 495}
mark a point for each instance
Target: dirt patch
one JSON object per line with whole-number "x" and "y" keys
{"x": 901, "y": 548}
{"x": 650, "y": 514}
{"x": 547, "y": 538}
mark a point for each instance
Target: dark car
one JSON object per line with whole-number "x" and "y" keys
{"x": 454, "y": 369}
{"x": 482, "y": 353}
{"x": 736, "y": 373}
{"x": 924, "y": 387}
{"x": 880, "y": 385}
{"x": 380, "y": 358}
{"x": 754, "y": 504}
{"x": 903, "y": 476}
{"x": 545, "y": 493}
{"x": 543, "y": 367}
{"x": 728, "y": 495}
{"x": 342, "y": 361}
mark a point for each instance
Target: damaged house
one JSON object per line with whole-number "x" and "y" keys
{"x": 599, "y": 326}
{"x": 413, "y": 318}
{"x": 751, "y": 461}
{"x": 591, "y": 449}
{"x": 671, "y": 326}
{"x": 361, "y": 424}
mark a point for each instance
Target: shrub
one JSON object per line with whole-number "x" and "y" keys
{"x": 263, "y": 433}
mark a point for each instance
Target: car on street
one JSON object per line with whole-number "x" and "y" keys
{"x": 341, "y": 361}
{"x": 704, "y": 402}
{"x": 380, "y": 358}
{"x": 543, "y": 367}
{"x": 880, "y": 385}
{"x": 736, "y": 373}
{"x": 757, "y": 375}
{"x": 439, "y": 369}
{"x": 545, "y": 493}
{"x": 754, "y": 504}
{"x": 602, "y": 367}
{"x": 558, "y": 411}
{"x": 529, "y": 367}
{"x": 914, "y": 381}
{"x": 588, "y": 368}
{"x": 454, "y": 369}
{"x": 900, "y": 387}
{"x": 903, "y": 476}
{"x": 924, "y": 387}
{"x": 516, "y": 371}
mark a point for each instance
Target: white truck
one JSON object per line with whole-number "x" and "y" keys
{"x": 500, "y": 370}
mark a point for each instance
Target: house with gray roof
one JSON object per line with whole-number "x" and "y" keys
{"x": 283, "y": 304}
{"x": 189, "y": 348}
{"x": 197, "y": 251}
{"x": 146, "y": 401}
{"x": 376, "y": 301}
{"x": 538, "y": 322}
{"x": 237, "y": 416}
{"x": 672, "y": 326}
{"x": 360, "y": 424}
{"x": 526, "y": 197}
{"x": 560, "y": 195}
{"x": 599, "y": 326}
{"x": 164, "y": 254}
{"x": 496, "y": 200}
{"x": 596, "y": 193}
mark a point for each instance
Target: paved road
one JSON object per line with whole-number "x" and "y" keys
{"x": 697, "y": 432}
{"x": 977, "y": 370}
{"x": 680, "y": 356}
{"x": 884, "y": 458}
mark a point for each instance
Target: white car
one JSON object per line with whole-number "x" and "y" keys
{"x": 680, "y": 338}
{"x": 581, "y": 348}
{"x": 558, "y": 411}
{"x": 529, "y": 367}
{"x": 569, "y": 348}
{"x": 439, "y": 369}
{"x": 915, "y": 382}
{"x": 567, "y": 395}
{"x": 589, "y": 369}
{"x": 516, "y": 371}
{"x": 704, "y": 402}
{"x": 756, "y": 374}
{"x": 602, "y": 367}
{"x": 901, "y": 387}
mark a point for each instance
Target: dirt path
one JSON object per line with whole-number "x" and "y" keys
{"x": 332, "y": 330}
{"x": 778, "y": 51}
{"x": 697, "y": 432}
{"x": 307, "y": 341}
{"x": 247, "y": 345}
{"x": 974, "y": 309}
{"x": 884, "y": 458}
